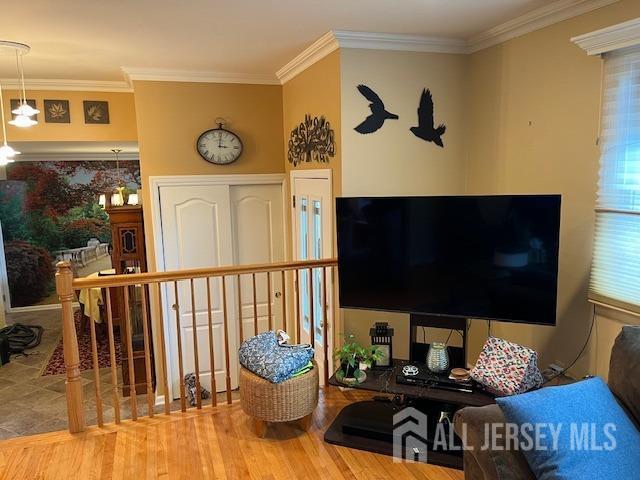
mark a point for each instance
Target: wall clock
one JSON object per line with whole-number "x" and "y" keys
{"x": 219, "y": 146}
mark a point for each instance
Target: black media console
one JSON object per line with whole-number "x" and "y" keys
{"x": 368, "y": 425}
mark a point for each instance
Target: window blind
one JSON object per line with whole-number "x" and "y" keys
{"x": 615, "y": 273}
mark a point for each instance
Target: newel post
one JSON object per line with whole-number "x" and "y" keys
{"x": 75, "y": 407}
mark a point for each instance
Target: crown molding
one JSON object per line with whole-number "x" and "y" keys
{"x": 534, "y": 20}
{"x": 407, "y": 43}
{"x": 75, "y": 156}
{"x": 529, "y": 22}
{"x": 622, "y": 35}
{"x": 170, "y": 75}
{"x": 68, "y": 85}
{"x": 319, "y": 49}
{"x": 333, "y": 40}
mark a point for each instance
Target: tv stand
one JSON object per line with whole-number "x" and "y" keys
{"x": 368, "y": 425}
{"x": 418, "y": 350}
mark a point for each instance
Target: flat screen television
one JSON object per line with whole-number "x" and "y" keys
{"x": 488, "y": 257}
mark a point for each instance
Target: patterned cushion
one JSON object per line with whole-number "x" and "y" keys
{"x": 507, "y": 368}
{"x": 263, "y": 356}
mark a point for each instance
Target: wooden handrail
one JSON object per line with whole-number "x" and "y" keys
{"x": 73, "y": 384}
{"x": 66, "y": 285}
{"x": 170, "y": 276}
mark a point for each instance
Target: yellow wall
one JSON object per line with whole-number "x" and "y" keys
{"x": 392, "y": 161}
{"x": 171, "y": 116}
{"x": 316, "y": 92}
{"x": 122, "y": 117}
{"x": 534, "y": 112}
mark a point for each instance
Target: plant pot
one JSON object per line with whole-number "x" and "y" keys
{"x": 356, "y": 376}
{"x": 347, "y": 370}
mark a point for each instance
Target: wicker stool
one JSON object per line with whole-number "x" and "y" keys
{"x": 293, "y": 399}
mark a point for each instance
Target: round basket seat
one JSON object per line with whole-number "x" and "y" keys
{"x": 290, "y": 400}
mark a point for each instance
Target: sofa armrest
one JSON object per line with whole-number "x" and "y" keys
{"x": 481, "y": 463}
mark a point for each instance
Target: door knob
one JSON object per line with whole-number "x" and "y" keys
{"x": 278, "y": 294}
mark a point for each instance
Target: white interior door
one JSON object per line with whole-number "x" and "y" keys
{"x": 220, "y": 225}
{"x": 312, "y": 231}
{"x": 258, "y": 237}
{"x": 196, "y": 231}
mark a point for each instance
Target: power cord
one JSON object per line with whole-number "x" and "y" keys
{"x": 584, "y": 347}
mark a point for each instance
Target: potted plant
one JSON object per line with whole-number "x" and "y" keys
{"x": 351, "y": 356}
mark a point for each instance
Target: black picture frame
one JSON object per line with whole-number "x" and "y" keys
{"x": 96, "y": 112}
{"x": 16, "y": 102}
{"x": 57, "y": 111}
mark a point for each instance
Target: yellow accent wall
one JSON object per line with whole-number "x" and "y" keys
{"x": 394, "y": 162}
{"x": 171, "y": 116}
{"x": 534, "y": 113}
{"x": 315, "y": 91}
{"x": 122, "y": 117}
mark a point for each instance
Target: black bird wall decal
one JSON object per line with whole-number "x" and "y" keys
{"x": 425, "y": 129}
{"x": 378, "y": 113}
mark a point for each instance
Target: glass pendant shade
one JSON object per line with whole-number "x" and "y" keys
{"x": 4, "y": 161}
{"x": 7, "y": 152}
{"x": 22, "y": 121}
{"x": 26, "y": 110}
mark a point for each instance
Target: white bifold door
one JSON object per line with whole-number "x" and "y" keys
{"x": 210, "y": 226}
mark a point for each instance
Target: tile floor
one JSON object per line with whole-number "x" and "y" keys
{"x": 31, "y": 403}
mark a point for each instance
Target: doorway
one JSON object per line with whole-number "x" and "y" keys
{"x": 312, "y": 239}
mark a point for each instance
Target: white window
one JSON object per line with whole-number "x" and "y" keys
{"x": 615, "y": 274}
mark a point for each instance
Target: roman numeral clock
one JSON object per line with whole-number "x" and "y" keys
{"x": 219, "y": 146}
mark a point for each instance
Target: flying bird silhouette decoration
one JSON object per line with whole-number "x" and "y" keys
{"x": 378, "y": 113}
{"x": 425, "y": 129}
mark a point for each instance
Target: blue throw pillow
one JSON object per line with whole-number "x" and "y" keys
{"x": 582, "y": 432}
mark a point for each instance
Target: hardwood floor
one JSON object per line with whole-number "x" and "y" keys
{"x": 211, "y": 443}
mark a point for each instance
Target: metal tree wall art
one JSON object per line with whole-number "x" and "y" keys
{"x": 311, "y": 141}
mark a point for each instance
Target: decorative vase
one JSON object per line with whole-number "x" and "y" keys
{"x": 438, "y": 357}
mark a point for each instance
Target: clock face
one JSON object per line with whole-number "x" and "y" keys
{"x": 219, "y": 146}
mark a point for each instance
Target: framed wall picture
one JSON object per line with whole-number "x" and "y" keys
{"x": 96, "y": 111}
{"x": 57, "y": 111}
{"x": 15, "y": 103}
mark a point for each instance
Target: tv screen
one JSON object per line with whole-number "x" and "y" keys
{"x": 488, "y": 257}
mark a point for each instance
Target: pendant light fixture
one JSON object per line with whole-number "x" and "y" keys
{"x": 24, "y": 111}
{"x": 6, "y": 152}
{"x": 116, "y": 197}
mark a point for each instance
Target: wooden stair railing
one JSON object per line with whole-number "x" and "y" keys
{"x": 66, "y": 284}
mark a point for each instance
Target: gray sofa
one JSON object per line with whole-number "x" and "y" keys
{"x": 624, "y": 382}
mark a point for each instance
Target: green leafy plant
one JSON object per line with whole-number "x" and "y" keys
{"x": 77, "y": 232}
{"x": 351, "y": 354}
{"x": 30, "y": 271}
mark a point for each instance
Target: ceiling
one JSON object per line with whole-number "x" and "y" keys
{"x": 92, "y": 40}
